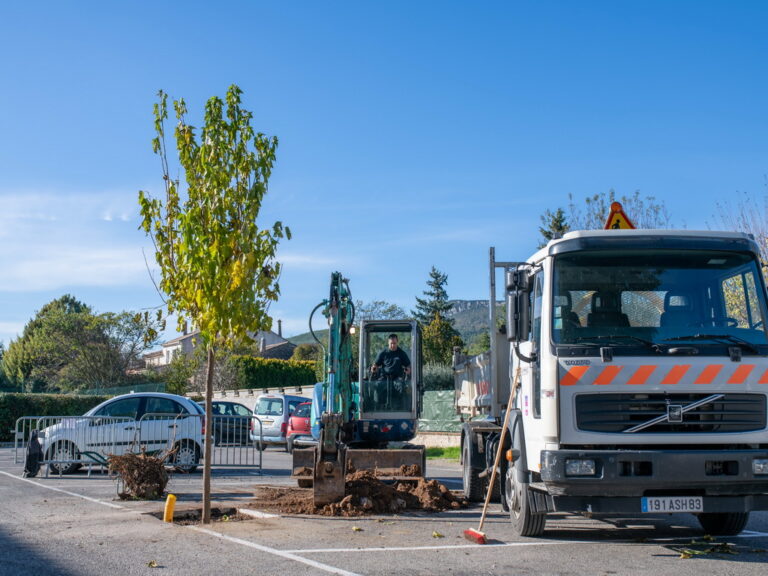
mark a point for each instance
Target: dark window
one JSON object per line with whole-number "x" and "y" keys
{"x": 125, "y": 408}
{"x": 163, "y": 406}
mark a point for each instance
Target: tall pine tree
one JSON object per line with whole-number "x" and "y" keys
{"x": 435, "y": 301}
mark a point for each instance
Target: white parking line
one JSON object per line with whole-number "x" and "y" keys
{"x": 751, "y": 534}
{"x": 283, "y": 554}
{"x": 68, "y": 493}
{"x": 419, "y": 548}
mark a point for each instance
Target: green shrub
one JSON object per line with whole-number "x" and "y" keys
{"x": 259, "y": 373}
{"x": 15, "y": 406}
{"x": 437, "y": 376}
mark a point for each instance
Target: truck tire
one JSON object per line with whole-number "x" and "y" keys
{"x": 518, "y": 492}
{"x": 518, "y": 496}
{"x": 723, "y": 523}
{"x": 474, "y": 486}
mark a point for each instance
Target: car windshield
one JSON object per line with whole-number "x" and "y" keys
{"x": 648, "y": 298}
{"x": 302, "y": 411}
{"x": 269, "y": 407}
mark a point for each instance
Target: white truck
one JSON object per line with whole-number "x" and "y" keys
{"x": 639, "y": 361}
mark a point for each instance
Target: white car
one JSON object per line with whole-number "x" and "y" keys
{"x": 149, "y": 421}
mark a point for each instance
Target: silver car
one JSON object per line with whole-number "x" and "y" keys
{"x": 273, "y": 412}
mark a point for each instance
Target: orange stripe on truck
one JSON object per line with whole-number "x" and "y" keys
{"x": 741, "y": 374}
{"x": 675, "y": 374}
{"x": 573, "y": 375}
{"x": 708, "y": 374}
{"x": 607, "y": 375}
{"x": 641, "y": 375}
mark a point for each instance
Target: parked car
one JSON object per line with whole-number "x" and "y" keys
{"x": 299, "y": 427}
{"x": 273, "y": 411}
{"x": 150, "y": 421}
{"x": 231, "y": 422}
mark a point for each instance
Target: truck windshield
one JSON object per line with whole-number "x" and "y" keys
{"x": 671, "y": 297}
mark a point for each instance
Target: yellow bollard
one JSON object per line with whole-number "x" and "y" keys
{"x": 170, "y": 503}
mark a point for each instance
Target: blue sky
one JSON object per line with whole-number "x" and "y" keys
{"x": 411, "y": 134}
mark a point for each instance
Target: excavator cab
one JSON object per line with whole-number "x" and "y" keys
{"x": 392, "y": 388}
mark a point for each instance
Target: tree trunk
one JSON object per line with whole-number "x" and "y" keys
{"x": 208, "y": 442}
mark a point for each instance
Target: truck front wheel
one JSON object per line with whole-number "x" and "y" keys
{"x": 723, "y": 523}
{"x": 518, "y": 495}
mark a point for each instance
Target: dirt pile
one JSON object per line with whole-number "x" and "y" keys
{"x": 365, "y": 494}
{"x": 143, "y": 476}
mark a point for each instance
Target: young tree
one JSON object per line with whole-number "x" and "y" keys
{"x": 644, "y": 212}
{"x": 748, "y": 214}
{"x": 66, "y": 347}
{"x": 218, "y": 266}
{"x": 178, "y": 374}
{"x": 436, "y": 301}
{"x": 438, "y": 340}
{"x": 4, "y": 382}
{"x": 378, "y": 310}
{"x": 307, "y": 351}
{"x": 554, "y": 225}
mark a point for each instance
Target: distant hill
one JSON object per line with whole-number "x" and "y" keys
{"x": 306, "y": 337}
{"x": 470, "y": 318}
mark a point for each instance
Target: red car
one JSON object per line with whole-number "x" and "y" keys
{"x": 299, "y": 424}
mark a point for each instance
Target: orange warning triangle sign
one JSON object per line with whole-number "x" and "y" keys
{"x": 617, "y": 220}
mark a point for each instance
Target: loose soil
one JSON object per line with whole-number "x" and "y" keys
{"x": 193, "y": 517}
{"x": 365, "y": 494}
{"x": 144, "y": 477}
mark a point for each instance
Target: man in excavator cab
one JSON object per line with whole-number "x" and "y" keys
{"x": 391, "y": 368}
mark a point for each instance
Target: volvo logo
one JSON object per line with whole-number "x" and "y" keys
{"x": 674, "y": 413}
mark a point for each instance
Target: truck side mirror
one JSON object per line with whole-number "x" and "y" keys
{"x": 518, "y": 304}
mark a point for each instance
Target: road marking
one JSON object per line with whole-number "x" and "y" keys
{"x": 751, "y": 534}
{"x": 68, "y": 493}
{"x": 281, "y": 553}
{"x": 417, "y": 548}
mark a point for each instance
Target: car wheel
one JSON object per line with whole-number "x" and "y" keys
{"x": 187, "y": 456}
{"x": 289, "y": 445}
{"x": 63, "y": 451}
{"x": 723, "y": 523}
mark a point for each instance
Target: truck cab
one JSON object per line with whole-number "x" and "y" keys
{"x": 638, "y": 362}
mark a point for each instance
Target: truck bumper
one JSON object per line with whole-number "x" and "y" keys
{"x": 725, "y": 479}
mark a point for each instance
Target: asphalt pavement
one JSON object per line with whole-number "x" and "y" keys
{"x": 75, "y": 525}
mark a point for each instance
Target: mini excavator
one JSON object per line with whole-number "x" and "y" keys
{"x": 362, "y": 419}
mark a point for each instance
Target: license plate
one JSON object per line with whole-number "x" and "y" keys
{"x": 267, "y": 422}
{"x": 668, "y": 504}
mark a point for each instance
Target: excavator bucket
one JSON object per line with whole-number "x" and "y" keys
{"x": 329, "y": 480}
{"x": 389, "y": 464}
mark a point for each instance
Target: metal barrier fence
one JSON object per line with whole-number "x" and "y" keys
{"x": 72, "y": 442}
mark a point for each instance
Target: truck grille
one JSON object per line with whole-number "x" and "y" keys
{"x": 614, "y": 413}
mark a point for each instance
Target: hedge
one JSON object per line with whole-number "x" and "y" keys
{"x": 437, "y": 376}
{"x": 14, "y": 406}
{"x": 259, "y": 373}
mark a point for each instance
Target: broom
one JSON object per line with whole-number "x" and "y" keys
{"x": 478, "y": 536}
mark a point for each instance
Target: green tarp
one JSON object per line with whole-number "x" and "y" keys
{"x": 438, "y": 412}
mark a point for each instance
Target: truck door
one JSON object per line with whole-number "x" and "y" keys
{"x": 530, "y": 403}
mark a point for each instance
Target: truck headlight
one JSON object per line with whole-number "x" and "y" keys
{"x": 580, "y": 467}
{"x": 760, "y": 466}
